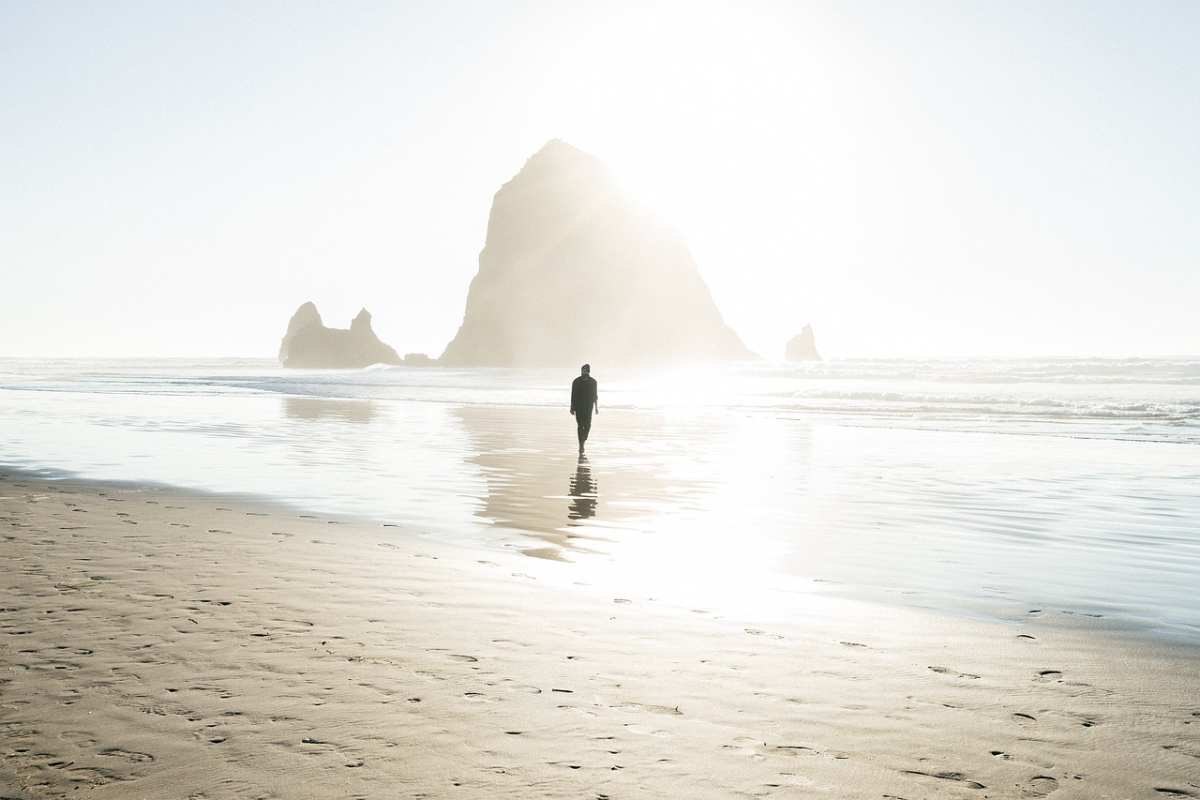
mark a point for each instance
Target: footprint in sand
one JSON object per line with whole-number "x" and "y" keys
{"x": 1175, "y": 748}
{"x": 794, "y": 750}
{"x": 643, "y": 730}
{"x": 526, "y": 688}
{"x": 129, "y": 755}
{"x": 955, "y": 673}
{"x": 94, "y": 776}
{"x": 512, "y": 642}
{"x": 1039, "y": 786}
{"x": 653, "y": 709}
{"x": 757, "y": 632}
{"x": 957, "y": 777}
{"x": 478, "y": 697}
{"x": 78, "y": 738}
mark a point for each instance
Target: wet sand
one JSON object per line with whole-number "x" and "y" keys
{"x": 724, "y": 497}
{"x": 155, "y": 643}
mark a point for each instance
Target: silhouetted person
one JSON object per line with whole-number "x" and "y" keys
{"x": 583, "y": 492}
{"x": 583, "y": 399}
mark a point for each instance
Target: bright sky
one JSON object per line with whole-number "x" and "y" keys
{"x": 999, "y": 178}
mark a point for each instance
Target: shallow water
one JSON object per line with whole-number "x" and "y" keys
{"x": 994, "y": 487}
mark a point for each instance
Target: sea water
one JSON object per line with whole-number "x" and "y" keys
{"x": 994, "y": 487}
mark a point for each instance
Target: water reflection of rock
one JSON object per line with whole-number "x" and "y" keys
{"x": 526, "y": 454}
{"x": 325, "y": 408}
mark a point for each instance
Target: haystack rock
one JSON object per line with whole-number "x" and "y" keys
{"x": 803, "y": 346}
{"x": 573, "y": 271}
{"x": 309, "y": 344}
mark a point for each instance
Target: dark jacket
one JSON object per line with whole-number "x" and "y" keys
{"x": 583, "y": 395}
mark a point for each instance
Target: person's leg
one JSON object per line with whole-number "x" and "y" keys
{"x": 584, "y": 424}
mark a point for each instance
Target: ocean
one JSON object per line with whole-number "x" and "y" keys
{"x": 989, "y": 487}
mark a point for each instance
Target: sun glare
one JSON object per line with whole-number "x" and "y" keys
{"x": 731, "y": 131}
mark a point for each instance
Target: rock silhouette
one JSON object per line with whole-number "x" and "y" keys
{"x": 309, "y": 344}
{"x": 573, "y": 271}
{"x": 803, "y": 346}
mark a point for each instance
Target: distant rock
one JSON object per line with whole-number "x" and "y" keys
{"x": 309, "y": 344}
{"x": 573, "y": 271}
{"x": 803, "y": 346}
{"x": 419, "y": 360}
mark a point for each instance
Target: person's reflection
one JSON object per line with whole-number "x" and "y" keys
{"x": 583, "y": 492}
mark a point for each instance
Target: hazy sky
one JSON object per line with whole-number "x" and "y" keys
{"x": 955, "y": 178}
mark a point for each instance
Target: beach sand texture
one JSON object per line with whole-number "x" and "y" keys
{"x": 160, "y": 644}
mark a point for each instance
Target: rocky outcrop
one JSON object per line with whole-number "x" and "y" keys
{"x": 803, "y": 346}
{"x": 573, "y": 271}
{"x": 419, "y": 360}
{"x": 309, "y": 344}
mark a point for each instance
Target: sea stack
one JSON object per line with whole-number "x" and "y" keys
{"x": 803, "y": 346}
{"x": 573, "y": 271}
{"x": 309, "y": 344}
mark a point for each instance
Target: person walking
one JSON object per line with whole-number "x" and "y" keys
{"x": 584, "y": 399}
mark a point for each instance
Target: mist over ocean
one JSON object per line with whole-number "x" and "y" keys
{"x": 994, "y": 487}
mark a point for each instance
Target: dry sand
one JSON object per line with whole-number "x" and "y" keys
{"x": 156, "y": 644}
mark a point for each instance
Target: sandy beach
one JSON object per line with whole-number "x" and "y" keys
{"x": 600, "y": 401}
{"x": 156, "y": 643}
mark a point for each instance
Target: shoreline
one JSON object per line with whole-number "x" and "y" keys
{"x": 163, "y": 642}
{"x": 532, "y": 551}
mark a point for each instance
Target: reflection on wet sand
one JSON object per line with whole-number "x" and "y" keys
{"x": 525, "y": 455}
{"x": 677, "y": 487}
{"x": 322, "y": 408}
{"x": 583, "y": 493}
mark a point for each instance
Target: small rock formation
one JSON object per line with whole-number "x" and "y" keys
{"x": 803, "y": 347}
{"x": 573, "y": 271}
{"x": 419, "y": 360}
{"x": 309, "y": 344}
